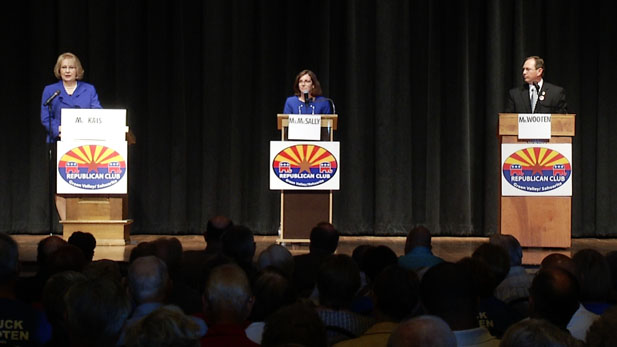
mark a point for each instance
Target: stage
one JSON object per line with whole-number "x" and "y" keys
{"x": 448, "y": 248}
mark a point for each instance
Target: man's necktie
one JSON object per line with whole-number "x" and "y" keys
{"x": 534, "y": 98}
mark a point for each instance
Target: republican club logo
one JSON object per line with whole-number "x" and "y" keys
{"x": 536, "y": 169}
{"x": 91, "y": 167}
{"x": 304, "y": 165}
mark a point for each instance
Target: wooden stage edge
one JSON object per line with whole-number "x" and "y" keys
{"x": 449, "y": 248}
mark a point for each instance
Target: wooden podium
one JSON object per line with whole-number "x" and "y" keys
{"x": 92, "y": 175}
{"x": 302, "y": 210}
{"x": 537, "y": 221}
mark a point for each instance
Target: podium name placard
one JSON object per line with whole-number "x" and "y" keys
{"x": 92, "y": 154}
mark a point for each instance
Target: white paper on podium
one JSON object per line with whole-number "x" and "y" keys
{"x": 93, "y": 124}
{"x": 304, "y": 127}
{"x": 534, "y": 126}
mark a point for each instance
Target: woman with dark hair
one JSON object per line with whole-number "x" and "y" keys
{"x": 307, "y": 98}
{"x": 68, "y": 92}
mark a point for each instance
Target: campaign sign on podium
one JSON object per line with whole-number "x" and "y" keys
{"x": 304, "y": 165}
{"x": 92, "y": 154}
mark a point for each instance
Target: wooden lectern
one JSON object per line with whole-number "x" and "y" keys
{"x": 537, "y": 221}
{"x": 94, "y": 144}
{"x": 301, "y": 210}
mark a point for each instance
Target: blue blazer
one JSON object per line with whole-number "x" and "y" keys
{"x": 319, "y": 105}
{"x": 84, "y": 96}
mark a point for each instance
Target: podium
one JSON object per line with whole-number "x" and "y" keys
{"x": 537, "y": 221}
{"x": 301, "y": 210}
{"x": 92, "y": 174}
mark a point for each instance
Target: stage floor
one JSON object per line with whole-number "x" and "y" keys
{"x": 449, "y": 248}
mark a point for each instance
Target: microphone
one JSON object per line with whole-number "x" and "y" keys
{"x": 306, "y": 97}
{"x": 53, "y": 96}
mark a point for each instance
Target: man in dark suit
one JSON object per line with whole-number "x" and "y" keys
{"x": 536, "y": 95}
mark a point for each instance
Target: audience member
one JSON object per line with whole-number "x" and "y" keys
{"x": 418, "y": 253}
{"x": 227, "y": 303}
{"x": 167, "y": 326}
{"x": 294, "y": 325}
{"x": 66, "y": 258}
{"x": 514, "y": 289}
{"x": 611, "y": 259}
{"x": 239, "y": 245}
{"x": 279, "y": 257}
{"x": 30, "y": 289}
{"x": 337, "y": 283}
{"x": 20, "y": 324}
{"x": 491, "y": 313}
{"x": 603, "y": 332}
{"x": 581, "y": 319}
{"x": 554, "y": 296}
{"x": 272, "y": 290}
{"x": 446, "y": 291}
{"x": 104, "y": 268}
{"x": 149, "y": 285}
{"x": 96, "y": 311}
{"x": 323, "y": 242}
{"x": 396, "y": 295}
{"x": 537, "y": 332}
{"x": 53, "y": 303}
{"x": 86, "y": 242}
{"x": 594, "y": 277}
{"x": 425, "y": 331}
{"x": 374, "y": 260}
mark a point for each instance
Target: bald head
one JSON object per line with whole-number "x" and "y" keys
{"x": 418, "y": 237}
{"x": 426, "y": 331}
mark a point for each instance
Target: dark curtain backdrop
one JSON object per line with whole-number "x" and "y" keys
{"x": 417, "y": 85}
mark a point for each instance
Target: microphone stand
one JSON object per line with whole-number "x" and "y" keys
{"x": 50, "y": 171}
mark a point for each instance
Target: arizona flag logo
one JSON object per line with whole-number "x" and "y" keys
{"x": 91, "y": 167}
{"x": 304, "y": 165}
{"x": 537, "y": 169}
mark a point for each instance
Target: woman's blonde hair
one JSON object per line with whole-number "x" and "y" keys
{"x": 78, "y": 67}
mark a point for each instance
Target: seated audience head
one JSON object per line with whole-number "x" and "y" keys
{"x": 324, "y": 239}
{"x": 46, "y": 248}
{"x": 602, "y": 333}
{"x": 148, "y": 280}
{"x": 497, "y": 260}
{"x": 85, "y": 241}
{"x": 511, "y": 245}
{"x": 554, "y": 296}
{"x": 9, "y": 260}
{"x": 53, "y": 296}
{"x": 66, "y": 258}
{"x": 239, "y": 244}
{"x": 561, "y": 261}
{"x": 279, "y": 257}
{"x": 169, "y": 249}
{"x": 227, "y": 296}
{"x": 216, "y": 227}
{"x": 294, "y": 325}
{"x": 594, "y": 275}
{"x": 104, "y": 268}
{"x": 418, "y": 237}
{"x": 537, "y": 332}
{"x": 166, "y": 326}
{"x": 141, "y": 250}
{"x": 446, "y": 291}
{"x": 376, "y": 259}
{"x": 396, "y": 293}
{"x": 338, "y": 281}
{"x": 483, "y": 280}
{"x": 96, "y": 311}
{"x": 272, "y": 290}
{"x": 425, "y": 331}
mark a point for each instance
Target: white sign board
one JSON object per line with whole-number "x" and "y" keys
{"x": 93, "y": 124}
{"x": 304, "y": 127}
{"x": 534, "y": 126}
{"x": 529, "y": 169}
{"x": 304, "y": 165}
{"x": 92, "y": 167}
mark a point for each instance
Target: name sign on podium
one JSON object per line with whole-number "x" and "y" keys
{"x": 304, "y": 127}
{"x": 92, "y": 154}
{"x": 534, "y": 126}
